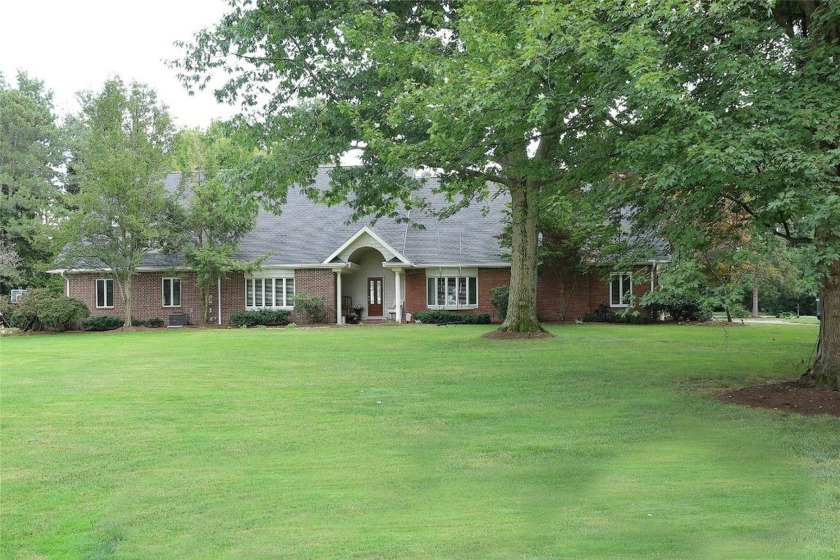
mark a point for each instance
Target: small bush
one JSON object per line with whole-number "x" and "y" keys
{"x": 40, "y": 309}
{"x": 499, "y": 298}
{"x": 102, "y": 323}
{"x": 260, "y": 317}
{"x": 438, "y": 317}
{"x": 590, "y": 318}
{"x": 740, "y": 312}
{"x": 682, "y": 310}
{"x": 311, "y": 308}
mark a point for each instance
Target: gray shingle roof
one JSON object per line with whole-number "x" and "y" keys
{"x": 306, "y": 233}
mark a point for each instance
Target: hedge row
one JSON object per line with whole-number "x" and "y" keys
{"x": 109, "y": 323}
{"x": 266, "y": 317}
{"x": 439, "y": 317}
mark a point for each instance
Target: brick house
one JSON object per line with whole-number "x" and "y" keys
{"x": 391, "y": 268}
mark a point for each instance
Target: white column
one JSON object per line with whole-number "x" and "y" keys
{"x": 398, "y": 295}
{"x": 219, "y": 298}
{"x": 337, "y": 297}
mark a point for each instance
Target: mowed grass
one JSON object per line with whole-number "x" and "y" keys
{"x": 412, "y": 442}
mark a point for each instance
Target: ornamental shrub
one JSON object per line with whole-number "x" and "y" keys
{"x": 311, "y": 308}
{"x": 41, "y": 309}
{"x": 260, "y": 317}
{"x": 153, "y": 323}
{"x": 439, "y": 316}
{"x": 103, "y": 323}
{"x": 499, "y": 299}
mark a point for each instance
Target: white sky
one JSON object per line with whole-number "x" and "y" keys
{"x": 75, "y": 45}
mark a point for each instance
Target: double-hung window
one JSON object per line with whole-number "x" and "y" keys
{"x": 621, "y": 290}
{"x": 270, "y": 292}
{"x": 455, "y": 291}
{"x": 104, "y": 292}
{"x": 171, "y": 292}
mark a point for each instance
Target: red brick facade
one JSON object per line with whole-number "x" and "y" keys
{"x": 560, "y": 296}
{"x": 147, "y": 300}
{"x": 319, "y": 283}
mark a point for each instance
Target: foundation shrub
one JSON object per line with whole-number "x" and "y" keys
{"x": 43, "y": 310}
{"x": 261, "y": 317}
{"x": 312, "y": 308}
{"x": 438, "y": 317}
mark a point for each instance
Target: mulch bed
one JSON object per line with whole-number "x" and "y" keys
{"x": 500, "y": 335}
{"x": 789, "y": 396}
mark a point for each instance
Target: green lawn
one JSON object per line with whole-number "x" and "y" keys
{"x": 411, "y": 442}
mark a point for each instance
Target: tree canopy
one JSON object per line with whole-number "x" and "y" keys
{"x": 731, "y": 107}
{"x": 123, "y": 141}
{"x": 31, "y": 154}
{"x": 216, "y": 210}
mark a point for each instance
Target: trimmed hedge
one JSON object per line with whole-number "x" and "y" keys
{"x": 41, "y": 310}
{"x": 438, "y": 317}
{"x": 264, "y": 317}
{"x": 103, "y": 323}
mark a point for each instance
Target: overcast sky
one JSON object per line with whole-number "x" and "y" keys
{"x": 75, "y": 45}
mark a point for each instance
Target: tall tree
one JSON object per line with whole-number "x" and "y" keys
{"x": 490, "y": 94}
{"x": 218, "y": 212}
{"x": 31, "y": 154}
{"x": 735, "y": 107}
{"x": 122, "y": 210}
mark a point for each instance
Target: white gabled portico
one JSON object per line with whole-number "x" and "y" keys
{"x": 369, "y": 270}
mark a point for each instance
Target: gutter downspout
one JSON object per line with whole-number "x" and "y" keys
{"x": 219, "y": 298}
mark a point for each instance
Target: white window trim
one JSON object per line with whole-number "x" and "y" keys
{"x": 96, "y": 293}
{"x": 456, "y": 306}
{"x": 163, "y": 293}
{"x": 272, "y": 280}
{"x": 622, "y": 292}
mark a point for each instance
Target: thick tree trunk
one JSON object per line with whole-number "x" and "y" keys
{"x": 755, "y": 295}
{"x": 522, "y": 301}
{"x": 826, "y": 369}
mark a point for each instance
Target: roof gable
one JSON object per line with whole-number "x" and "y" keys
{"x": 366, "y": 237}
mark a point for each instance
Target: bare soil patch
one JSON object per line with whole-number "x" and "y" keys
{"x": 789, "y": 396}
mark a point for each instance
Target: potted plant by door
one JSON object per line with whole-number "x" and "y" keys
{"x": 357, "y": 311}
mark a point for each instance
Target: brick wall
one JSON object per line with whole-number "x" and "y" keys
{"x": 316, "y": 282}
{"x": 560, "y": 296}
{"x": 147, "y": 292}
{"x": 233, "y": 296}
{"x": 488, "y": 278}
{"x": 415, "y": 290}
